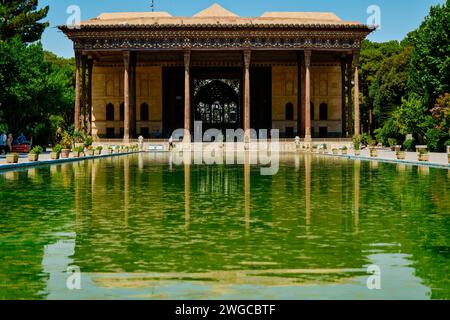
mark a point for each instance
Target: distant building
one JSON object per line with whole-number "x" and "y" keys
{"x": 149, "y": 73}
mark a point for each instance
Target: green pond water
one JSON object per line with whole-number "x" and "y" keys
{"x": 141, "y": 227}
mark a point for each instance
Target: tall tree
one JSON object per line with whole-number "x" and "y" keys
{"x": 430, "y": 61}
{"x": 22, "y": 18}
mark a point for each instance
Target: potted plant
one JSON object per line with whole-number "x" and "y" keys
{"x": 372, "y": 143}
{"x": 314, "y": 148}
{"x": 88, "y": 141}
{"x": 78, "y": 152}
{"x": 448, "y": 153}
{"x": 401, "y": 155}
{"x": 90, "y": 151}
{"x": 66, "y": 145}
{"x": 12, "y": 157}
{"x": 78, "y": 138}
{"x": 423, "y": 155}
{"x": 56, "y": 151}
{"x": 110, "y": 150}
{"x": 357, "y": 145}
{"x": 344, "y": 150}
{"x": 392, "y": 143}
{"x": 335, "y": 151}
{"x": 34, "y": 153}
{"x": 98, "y": 150}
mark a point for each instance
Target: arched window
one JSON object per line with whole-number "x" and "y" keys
{"x": 109, "y": 112}
{"x": 312, "y": 111}
{"x": 289, "y": 111}
{"x": 122, "y": 111}
{"x": 323, "y": 111}
{"x": 144, "y": 112}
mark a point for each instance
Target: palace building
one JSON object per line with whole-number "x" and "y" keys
{"x": 149, "y": 73}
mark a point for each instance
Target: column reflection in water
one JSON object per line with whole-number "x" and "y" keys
{"x": 308, "y": 189}
{"x": 356, "y": 173}
{"x": 126, "y": 183}
{"x": 187, "y": 194}
{"x": 77, "y": 174}
{"x": 247, "y": 169}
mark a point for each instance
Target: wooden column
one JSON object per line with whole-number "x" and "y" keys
{"x": 83, "y": 92}
{"x": 308, "y": 95}
{"x": 187, "y": 97}
{"x": 344, "y": 107}
{"x": 349, "y": 98}
{"x": 247, "y": 61}
{"x": 90, "y": 65}
{"x": 77, "y": 90}
{"x": 299, "y": 94}
{"x": 133, "y": 131}
{"x": 126, "y": 93}
{"x": 357, "y": 127}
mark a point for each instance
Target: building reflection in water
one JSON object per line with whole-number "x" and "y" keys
{"x": 308, "y": 163}
{"x": 247, "y": 169}
{"x": 126, "y": 183}
{"x": 356, "y": 174}
{"x": 187, "y": 194}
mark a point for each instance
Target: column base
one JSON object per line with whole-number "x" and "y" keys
{"x": 187, "y": 139}
{"x": 126, "y": 140}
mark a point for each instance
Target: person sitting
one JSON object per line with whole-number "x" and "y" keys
{"x": 3, "y": 139}
{"x": 21, "y": 139}
{"x": 9, "y": 142}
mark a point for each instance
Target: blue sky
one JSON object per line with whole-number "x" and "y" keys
{"x": 398, "y": 17}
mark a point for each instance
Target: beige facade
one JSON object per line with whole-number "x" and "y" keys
{"x": 107, "y": 88}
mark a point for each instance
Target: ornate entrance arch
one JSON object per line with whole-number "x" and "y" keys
{"x": 217, "y": 103}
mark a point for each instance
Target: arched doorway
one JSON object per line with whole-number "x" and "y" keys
{"x": 217, "y": 104}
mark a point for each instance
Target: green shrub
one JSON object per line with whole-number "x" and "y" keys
{"x": 436, "y": 139}
{"x": 409, "y": 145}
{"x": 66, "y": 141}
{"x": 78, "y": 136}
{"x": 357, "y": 142}
{"x": 57, "y": 148}
{"x": 389, "y": 131}
{"x": 392, "y": 142}
{"x": 370, "y": 141}
{"x": 88, "y": 141}
{"x": 37, "y": 150}
{"x": 99, "y": 148}
{"x": 79, "y": 149}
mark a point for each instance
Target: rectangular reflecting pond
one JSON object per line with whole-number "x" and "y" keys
{"x": 142, "y": 227}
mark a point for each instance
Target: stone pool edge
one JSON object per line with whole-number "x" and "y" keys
{"x": 391, "y": 161}
{"x": 29, "y": 164}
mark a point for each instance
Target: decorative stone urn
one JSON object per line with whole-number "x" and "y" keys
{"x": 357, "y": 153}
{"x": 373, "y": 152}
{"x": 335, "y": 152}
{"x": 65, "y": 153}
{"x": 12, "y": 157}
{"x": 424, "y": 157}
{"x": 54, "y": 155}
{"x": 401, "y": 155}
{"x": 32, "y": 157}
